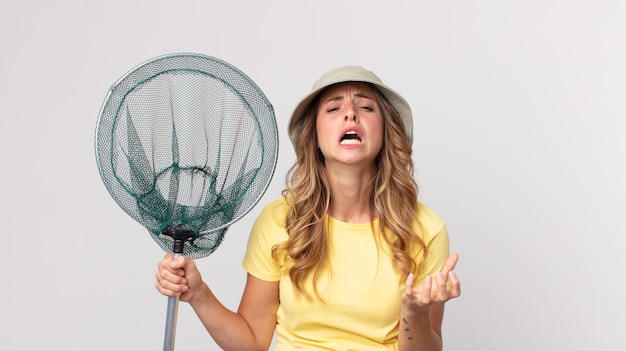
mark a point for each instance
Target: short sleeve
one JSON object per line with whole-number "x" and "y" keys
{"x": 268, "y": 230}
{"x": 435, "y": 236}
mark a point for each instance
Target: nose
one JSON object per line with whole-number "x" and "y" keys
{"x": 351, "y": 112}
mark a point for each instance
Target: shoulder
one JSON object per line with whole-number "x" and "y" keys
{"x": 427, "y": 216}
{"x": 274, "y": 213}
{"x": 269, "y": 225}
{"x": 430, "y": 224}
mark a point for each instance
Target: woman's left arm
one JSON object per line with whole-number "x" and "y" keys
{"x": 422, "y": 308}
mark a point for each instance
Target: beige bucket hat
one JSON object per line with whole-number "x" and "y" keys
{"x": 351, "y": 74}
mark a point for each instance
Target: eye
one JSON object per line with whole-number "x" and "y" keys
{"x": 332, "y": 108}
{"x": 365, "y": 104}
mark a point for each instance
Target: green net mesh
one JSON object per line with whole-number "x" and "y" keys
{"x": 186, "y": 142}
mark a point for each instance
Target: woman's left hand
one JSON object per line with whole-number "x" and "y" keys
{"x": 433, "y": 290}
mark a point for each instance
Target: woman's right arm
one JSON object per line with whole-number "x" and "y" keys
{"x": 250, "y": 328}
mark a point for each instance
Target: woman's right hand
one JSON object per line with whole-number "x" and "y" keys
{"x": 178, "y": 277}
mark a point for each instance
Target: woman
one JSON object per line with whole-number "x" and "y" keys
{"x": 347, "y": 259}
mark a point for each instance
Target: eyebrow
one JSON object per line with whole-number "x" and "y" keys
{"x": 340, "y": 97}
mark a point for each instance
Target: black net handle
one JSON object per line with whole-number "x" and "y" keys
{"x": 180, "y": 236}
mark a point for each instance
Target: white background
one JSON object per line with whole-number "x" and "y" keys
{"x": 520, "y": 145}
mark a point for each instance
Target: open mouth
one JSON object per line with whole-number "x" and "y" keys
{"x": 350, "y": 138}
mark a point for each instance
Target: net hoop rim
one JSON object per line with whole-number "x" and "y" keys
{"x": 269, "y": 163}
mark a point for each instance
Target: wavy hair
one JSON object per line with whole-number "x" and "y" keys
{"x": 393, "y": 197}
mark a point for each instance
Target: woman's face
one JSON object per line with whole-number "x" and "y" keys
{"x": 349, "y": 124}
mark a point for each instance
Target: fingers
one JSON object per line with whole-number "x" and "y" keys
{"x": 173, "y": 263}
{"x": 454, "y": 289}
{"x": 439, "y": 292}
{"x": 170, "y": 276}
{"x": 455, "y": 285}
{"x": 408, "y": 285}
{"x": 450, "y": 264}
{"x": 168, "y": 288}
{"x": 421, "y": 292}
{"x": 424, "y": 291}
{"x": 444, "y": 292}
{"x": 439, "y": 288}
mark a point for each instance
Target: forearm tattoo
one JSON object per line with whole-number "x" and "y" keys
{"x": 406, "y": 327}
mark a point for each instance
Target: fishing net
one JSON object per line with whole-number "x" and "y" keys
{"x": 186, "y": 144}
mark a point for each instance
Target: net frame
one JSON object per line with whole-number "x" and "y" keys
{"x": 208, "y": 227}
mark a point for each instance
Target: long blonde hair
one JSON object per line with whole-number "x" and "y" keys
{"x": 393, "y": 197}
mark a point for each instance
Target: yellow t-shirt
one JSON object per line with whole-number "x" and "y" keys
{"x": 359, "y": 304}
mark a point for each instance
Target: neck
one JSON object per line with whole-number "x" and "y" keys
{"x": 350, "y": 189}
